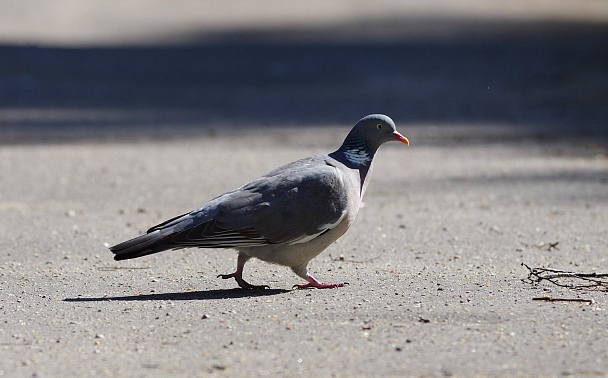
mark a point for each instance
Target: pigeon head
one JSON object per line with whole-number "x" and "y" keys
{"x": 377, "y": 129}
{"x": 366, "y": 137}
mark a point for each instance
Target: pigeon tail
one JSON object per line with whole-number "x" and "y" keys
{"x": 143, "y": 245}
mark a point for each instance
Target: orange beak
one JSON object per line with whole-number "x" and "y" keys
{"x": 401, "y": 138}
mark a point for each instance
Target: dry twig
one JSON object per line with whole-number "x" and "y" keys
{"x": 570, "y": 280}
{"x": 553, "y": 299}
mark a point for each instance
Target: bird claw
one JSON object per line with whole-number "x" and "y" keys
{"x": 319, "y": 285}
{"x": 241, "y": 282}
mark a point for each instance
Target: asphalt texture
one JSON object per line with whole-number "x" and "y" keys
{"x": 102, "y": 138}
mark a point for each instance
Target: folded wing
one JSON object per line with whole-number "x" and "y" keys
{"x": 292, "y": 204}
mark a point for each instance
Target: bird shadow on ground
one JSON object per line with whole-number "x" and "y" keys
{"x": 185, "y": 296}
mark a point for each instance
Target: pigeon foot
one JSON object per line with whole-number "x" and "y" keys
{"x": 314, "y": 283}
{"x": 242, "y": 283}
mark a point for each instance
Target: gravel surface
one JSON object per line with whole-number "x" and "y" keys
{"x": 433, "y": 263}
{"x": 106, "y": 133}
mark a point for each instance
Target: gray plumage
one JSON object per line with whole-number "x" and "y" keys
{"x": 287, "y": 216}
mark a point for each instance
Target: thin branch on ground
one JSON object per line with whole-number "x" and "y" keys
{"x": 554, "y": 299}
{"x": 570, "y": 280}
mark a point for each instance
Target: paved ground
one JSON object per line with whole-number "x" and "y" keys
{"x": 505, "y": 109}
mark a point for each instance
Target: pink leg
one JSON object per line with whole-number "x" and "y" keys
{"x": 238, "y": 275}
{"x": 313, "y": 283}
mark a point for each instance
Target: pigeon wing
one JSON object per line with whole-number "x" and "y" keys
{"x": 292, "y": 204}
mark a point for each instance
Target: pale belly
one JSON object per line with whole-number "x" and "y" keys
{"x": 293, "y": 255}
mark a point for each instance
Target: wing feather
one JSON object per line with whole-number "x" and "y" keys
{"x": 292, "y": 204}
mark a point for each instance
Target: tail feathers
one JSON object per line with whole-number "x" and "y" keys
{"x": 143, "y": 245}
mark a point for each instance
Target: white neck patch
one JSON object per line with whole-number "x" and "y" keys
{"x": 357, "y": 156}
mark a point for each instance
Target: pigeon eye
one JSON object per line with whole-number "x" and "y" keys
{"x": 379, "y": 126}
